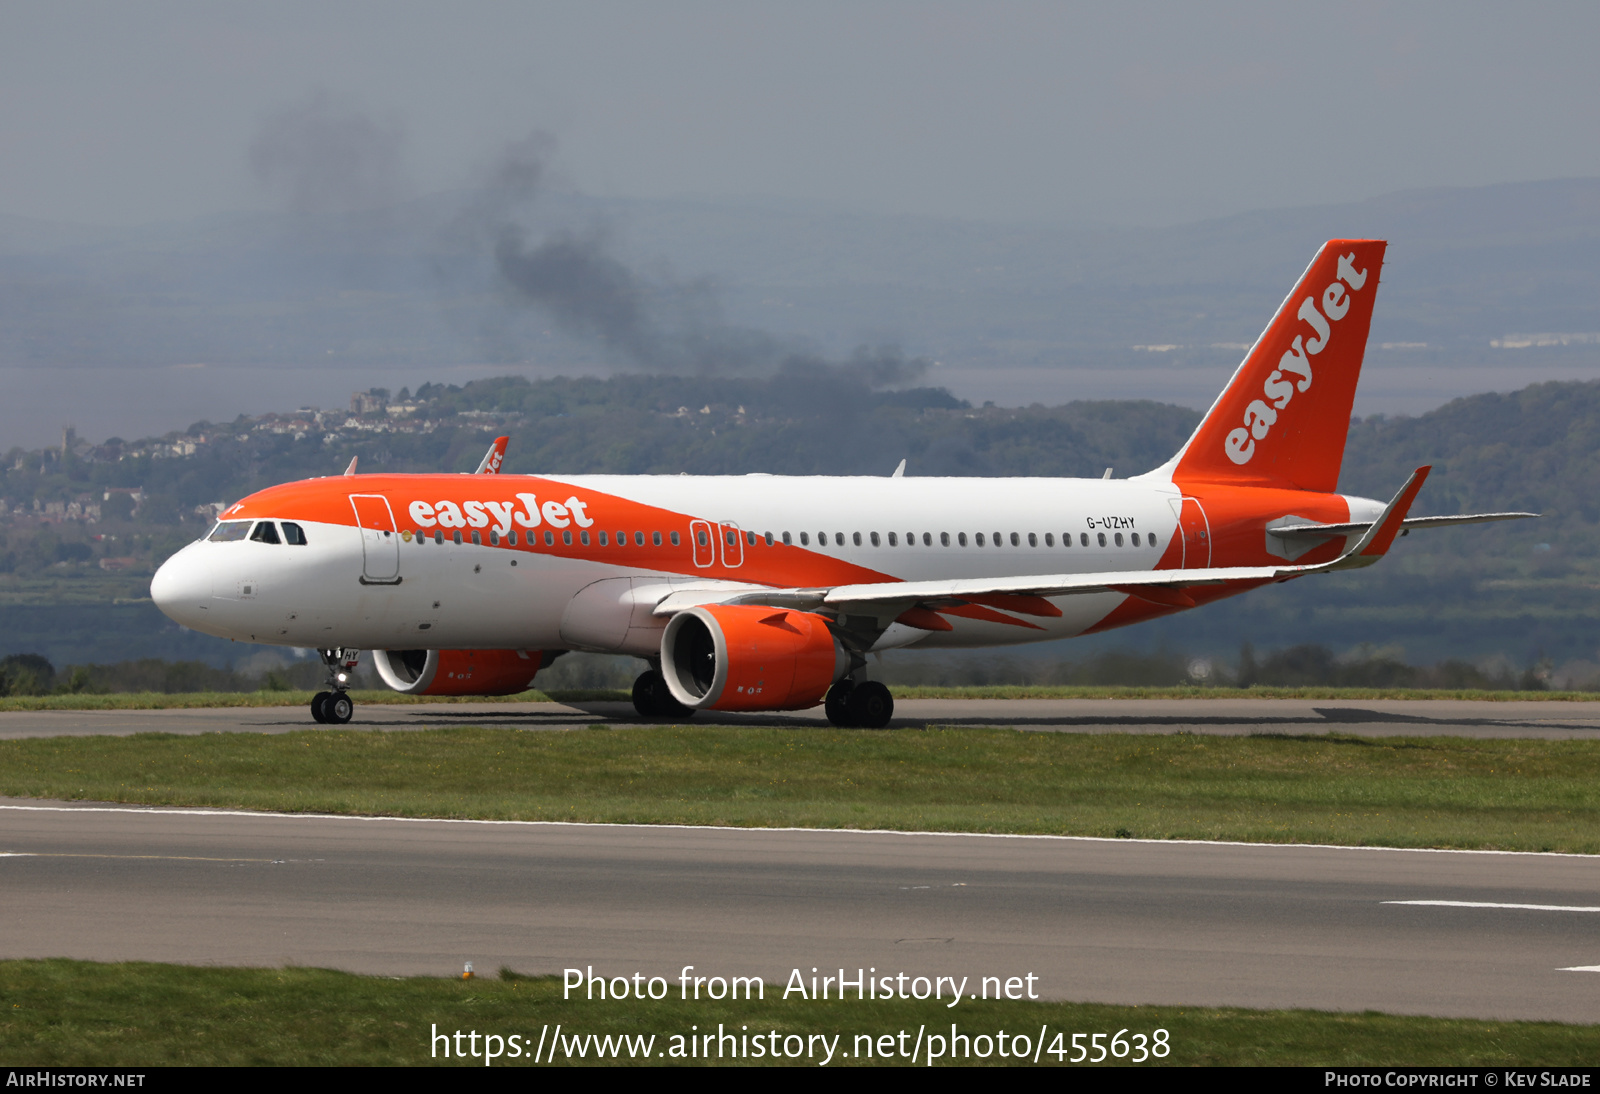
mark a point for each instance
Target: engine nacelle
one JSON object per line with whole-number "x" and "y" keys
{"x": 719, "y": 657}
{"x": 460, "y": 672}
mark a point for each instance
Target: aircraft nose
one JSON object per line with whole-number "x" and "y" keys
{"x": 181, "y": 588}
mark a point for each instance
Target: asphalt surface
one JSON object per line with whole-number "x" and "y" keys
{"x": 1378, "y": 718}
{"x": 1105, "y": 920}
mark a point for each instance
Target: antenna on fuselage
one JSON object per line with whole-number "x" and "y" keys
{"x": 351, "y": 470}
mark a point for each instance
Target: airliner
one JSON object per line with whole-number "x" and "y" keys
{"x": 766, "y": 593}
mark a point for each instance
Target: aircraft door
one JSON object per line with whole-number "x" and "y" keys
{"x": 1196, "y": 535}
{"x": 380, "y": 544}
{"x": 702, "y": 536}
{"x": 732, "y": 545}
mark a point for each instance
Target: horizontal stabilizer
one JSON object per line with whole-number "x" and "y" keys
{"x": 1355, "y": 527}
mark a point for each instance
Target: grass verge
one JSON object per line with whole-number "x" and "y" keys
{"x": 79, "y": 1013}
{"x": 1528, "y": 795}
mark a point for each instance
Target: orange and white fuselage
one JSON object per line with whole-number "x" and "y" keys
{"x": 758, "y": 592}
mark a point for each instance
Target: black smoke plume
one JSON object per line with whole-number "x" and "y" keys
{"x": 658, "y": 323}
{"x": 326, "y": 155}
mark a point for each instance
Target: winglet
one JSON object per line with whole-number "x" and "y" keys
{"x": 1375, "y": 543}
{"x": 351, "y": 470}
{"x": 493, "y": 458}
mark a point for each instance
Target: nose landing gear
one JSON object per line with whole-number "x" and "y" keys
{"x": 334, "y": 707}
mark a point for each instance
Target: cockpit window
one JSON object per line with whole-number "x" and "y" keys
{"x": 294, "y": 534}
{"x": 266, "y": 532}
{"x": 228, "y": 531}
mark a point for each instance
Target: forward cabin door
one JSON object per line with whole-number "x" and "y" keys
{"x": 380, "y": 543}
{"x": 1196, "y": 531}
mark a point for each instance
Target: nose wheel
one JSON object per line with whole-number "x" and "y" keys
{"x": 334, "y": 707}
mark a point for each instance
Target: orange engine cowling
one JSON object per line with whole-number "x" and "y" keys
{"x": 718, "y": 657}
{"x": 460, "y": 672}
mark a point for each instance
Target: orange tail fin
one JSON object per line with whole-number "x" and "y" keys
{"x": 1283, "y": 418}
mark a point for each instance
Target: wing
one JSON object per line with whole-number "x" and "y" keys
{"x": 1026, "y": 594}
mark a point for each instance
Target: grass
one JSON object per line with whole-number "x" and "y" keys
{"x": 1528, "y": 795}
{"x": 79, "y": 1013}
{"x": 153, "y": 700}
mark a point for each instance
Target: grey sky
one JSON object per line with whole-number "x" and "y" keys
{"x": 1121, "y": 114}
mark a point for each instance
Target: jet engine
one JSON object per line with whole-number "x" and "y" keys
{"x": 460, "y": 672}
{"x": 719, "y": 657}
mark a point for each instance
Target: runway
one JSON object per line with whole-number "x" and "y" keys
{"x": 1094, "y": 920}
{"x": 1376, "y": 718}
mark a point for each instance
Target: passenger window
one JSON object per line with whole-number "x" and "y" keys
{"x": 229, "y": 531}
{"x": 456, "y": 537}
{"x": 997, "y": 541}
{"x": 1118, "y": 539}
{"x": 1101, "y": 536}
{"x": 1136, "y": 539}
{"x": 638, "y": 539}
{"x": 944, "y": 539}
{"x": 438, "y": 537}
{"x": 961, "y": 538}
{"x": 1049, "y": 539}
{"x": 676, "y": 542}
{"x": 1083, "y": 538}
{"x": 733, "y": 538}
{"x": 494, "y": 538}
{"x": 927, "y": 540}
{"x": 605, "y": 542}
{"x": 583, "y": 538}
{"x": 855, "y": 537}
{"x": 512, "y": 538}
{"x": 655, "y": 539}
{"x": 768, "y": 538}
{"x": 566, "y": 537}
{"x": 1033, "y": 540}
{"x": 874, "y": 537}
{"x": 805, "y": 539}
{"x": 478, "y": 542}
{"x": 549, "y": 538}
{"x": 293, "y": 534}
{"x": 892, "y": 541}
{"x": 701, "y": 538}
{"x": 787, "y": 542}
{"x": 978, "y": 539}
{"x": 838, "y": 539}
{"x": 1017, "y": 543}
{"x": 266, "y": 532}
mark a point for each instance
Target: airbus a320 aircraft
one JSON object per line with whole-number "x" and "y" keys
{"x": 762, "y": 593}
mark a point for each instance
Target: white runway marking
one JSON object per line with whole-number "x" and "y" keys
{"x": 1479, "y": 904}
{"x": 1581, "y": 968}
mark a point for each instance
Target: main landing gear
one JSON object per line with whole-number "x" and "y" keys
{"x": 653, "y": 700}
{"x": 333, "y": 707}
{"x": 867, "y": 705}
